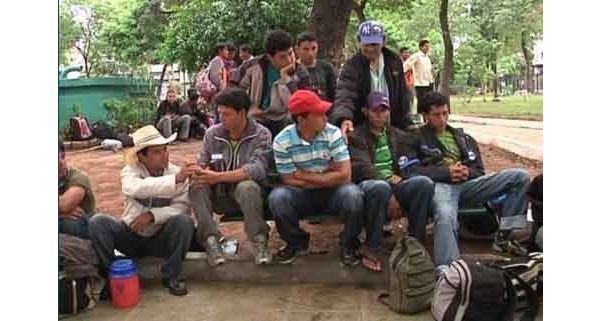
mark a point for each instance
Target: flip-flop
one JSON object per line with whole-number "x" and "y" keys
{"x": 374, "y": 264}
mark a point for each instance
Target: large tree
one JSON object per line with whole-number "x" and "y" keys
{"x": 448, "y": 50}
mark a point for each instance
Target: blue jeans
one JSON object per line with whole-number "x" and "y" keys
{"x": 414, "y": 195}
{"x": 287, "y": 203}
{"x": 376, "y": 195}
{"x": 77, "y": 227}
{"x": 448, "y": 197}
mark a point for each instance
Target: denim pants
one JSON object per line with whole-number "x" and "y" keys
{"x": 77, "y": 227}
{"x": 414, "y": 195}
{"x": 376, "y": 194}
{"x": 171, "y": 243}
{"x": 448, "y": 197}
{"x": 288, "y": 203}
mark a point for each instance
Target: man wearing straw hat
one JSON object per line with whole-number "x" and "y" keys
{"x": 156, "y": 221}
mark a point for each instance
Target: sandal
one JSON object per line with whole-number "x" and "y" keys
{"x": 371, "y": 262}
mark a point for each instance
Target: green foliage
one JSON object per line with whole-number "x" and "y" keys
{"x": 199, "y": 25}
{"x": 68, "y": 34}
{"x": 132, "y": 113}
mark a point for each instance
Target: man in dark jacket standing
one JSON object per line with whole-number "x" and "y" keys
{"x": 383, "y": 160}
{"x": 233, "y": 164}
{"x": 451, "y": 158}
{"x": 374, "y": 68}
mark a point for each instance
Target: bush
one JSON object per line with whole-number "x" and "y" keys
{"x": 130, "y": 114}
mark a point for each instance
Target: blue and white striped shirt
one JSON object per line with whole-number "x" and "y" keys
{"x": 292, "y": 152}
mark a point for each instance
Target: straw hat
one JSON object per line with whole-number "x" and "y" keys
{"x": 145, "y": 137}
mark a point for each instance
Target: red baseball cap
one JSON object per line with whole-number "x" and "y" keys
{"x": 306, "y": 101}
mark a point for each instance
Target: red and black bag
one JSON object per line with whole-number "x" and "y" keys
{"x": 80, "y": 129}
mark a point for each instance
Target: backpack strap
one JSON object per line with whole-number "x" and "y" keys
{"x": 532, "y": 298}
{"x": 509, "y": 313}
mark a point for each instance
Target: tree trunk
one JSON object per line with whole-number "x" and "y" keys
{"x": 359, "y": 9}
{"x": 448, "y": 67}
{"x": 329, "y": 20}
{"x": 162, "y": 78}
{"x": 495, "y": 81}
{"x": 528, "y": 55}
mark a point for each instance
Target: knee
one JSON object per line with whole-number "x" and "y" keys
{"x": 352, "y": 197}
{"x": 378, "y": 188}
{"x": 521, "y": 176}
{"x": 444, "y": 214}
{"x": 186, "y": 118}
{"x": 279, "y": 197}
{"x": 247, "y": 188}
{"x": 98, "y": 222}
{"x": 424, "y": 184}
{"x": 182, "y": 223}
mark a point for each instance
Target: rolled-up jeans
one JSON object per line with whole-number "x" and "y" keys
{"x": 376, "y": 194}
{"x": 448, "y": 197}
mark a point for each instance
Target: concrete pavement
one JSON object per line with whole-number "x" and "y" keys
{"x": 524, "y": 138}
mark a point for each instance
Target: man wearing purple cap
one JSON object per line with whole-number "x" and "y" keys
{"x": 383, "y": 158}
{"x": 374, "y": 68}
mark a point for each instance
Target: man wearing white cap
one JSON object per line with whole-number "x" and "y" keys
{"x": 374, "y": 68}
{"x": 156, "y": 221}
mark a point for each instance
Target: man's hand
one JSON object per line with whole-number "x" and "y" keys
{"x": 393, "y": 208}
{"x": 74, "y": 214}
{"x": 184, "y": 173}
{"x": 465, "y": 171}
{"x": 206, "y": 176}
{"x": 347, "y": 127}
{"x": 141, "y": 222}
{"x": 255, "y": 112}
{"x": 395, "y": 179}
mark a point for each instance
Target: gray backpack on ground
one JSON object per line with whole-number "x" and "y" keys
{"x": 411, "y": 278}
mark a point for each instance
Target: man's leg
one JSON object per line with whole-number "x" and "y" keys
{"x": 107, "y": 234}
{"x": 514, "y": 183}
{"x": 286, "y": 204}
{"x": 376, "y": 195}
{"x": 347, "y": 200}
{"x": 183, "y": 124}
{"x": 445, "y": 230}
{"x": 164, "y": 126}
{"x": 77, "y": 227}
{"x": 414, "y": 195}
{"x": 201, "y": 202}
{"x": 172, "y": 243}
{"x": 248, "y": 195}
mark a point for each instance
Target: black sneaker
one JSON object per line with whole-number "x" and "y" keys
{"x": 510, "y": 248}
{"x": 349, "y": 257}
{"x": 288, "y": 254}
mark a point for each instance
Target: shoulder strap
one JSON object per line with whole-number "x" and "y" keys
{"x": 532, "y": 298}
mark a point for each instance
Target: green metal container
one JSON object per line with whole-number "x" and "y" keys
{"x": 90, "y": 94}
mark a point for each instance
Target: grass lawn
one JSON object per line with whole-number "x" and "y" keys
{"x": 512, "y": 107}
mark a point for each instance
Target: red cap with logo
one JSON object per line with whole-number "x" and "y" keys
{"x": 306, "y": 101}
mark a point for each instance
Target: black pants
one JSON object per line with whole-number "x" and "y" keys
{"x": 421, "y": 91}
{"x": 171, "y": 243}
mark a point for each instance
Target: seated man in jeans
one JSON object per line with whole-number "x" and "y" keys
{"x": 314, "y": 164}
{"x": 382, "y": 162}
{"x": 233, "y": 165}
{"x": 76, "y": 201}
{"x": 170, "y": 118}
{"x": 451, "y": 158}
{"x": 156, "y": 221}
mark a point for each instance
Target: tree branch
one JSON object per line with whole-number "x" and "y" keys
{"x": 359, "y": 9}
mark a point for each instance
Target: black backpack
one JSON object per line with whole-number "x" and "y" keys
{"x": 74, "y": 295}
{"x": 473, "y": 292}
{"x": 102, "y": 130}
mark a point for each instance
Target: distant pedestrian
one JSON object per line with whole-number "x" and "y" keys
{"x": 420, "y": 64}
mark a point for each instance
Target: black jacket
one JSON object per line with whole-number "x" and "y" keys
{"x": 431, "y": 154}
{"x": 354, "y": 85}
{"x": 164, "y": 107}
{"x": 362, "y": 142}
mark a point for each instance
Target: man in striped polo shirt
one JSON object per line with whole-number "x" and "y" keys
{"x": 314, "y": 163}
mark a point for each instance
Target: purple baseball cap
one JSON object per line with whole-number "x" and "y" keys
{"x": 376, "y": 99}
{"x": 370, "y": 32}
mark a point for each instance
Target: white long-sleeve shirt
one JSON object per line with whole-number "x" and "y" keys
{"x": 422, "y": 69}
{"x": 159, "y": 195}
